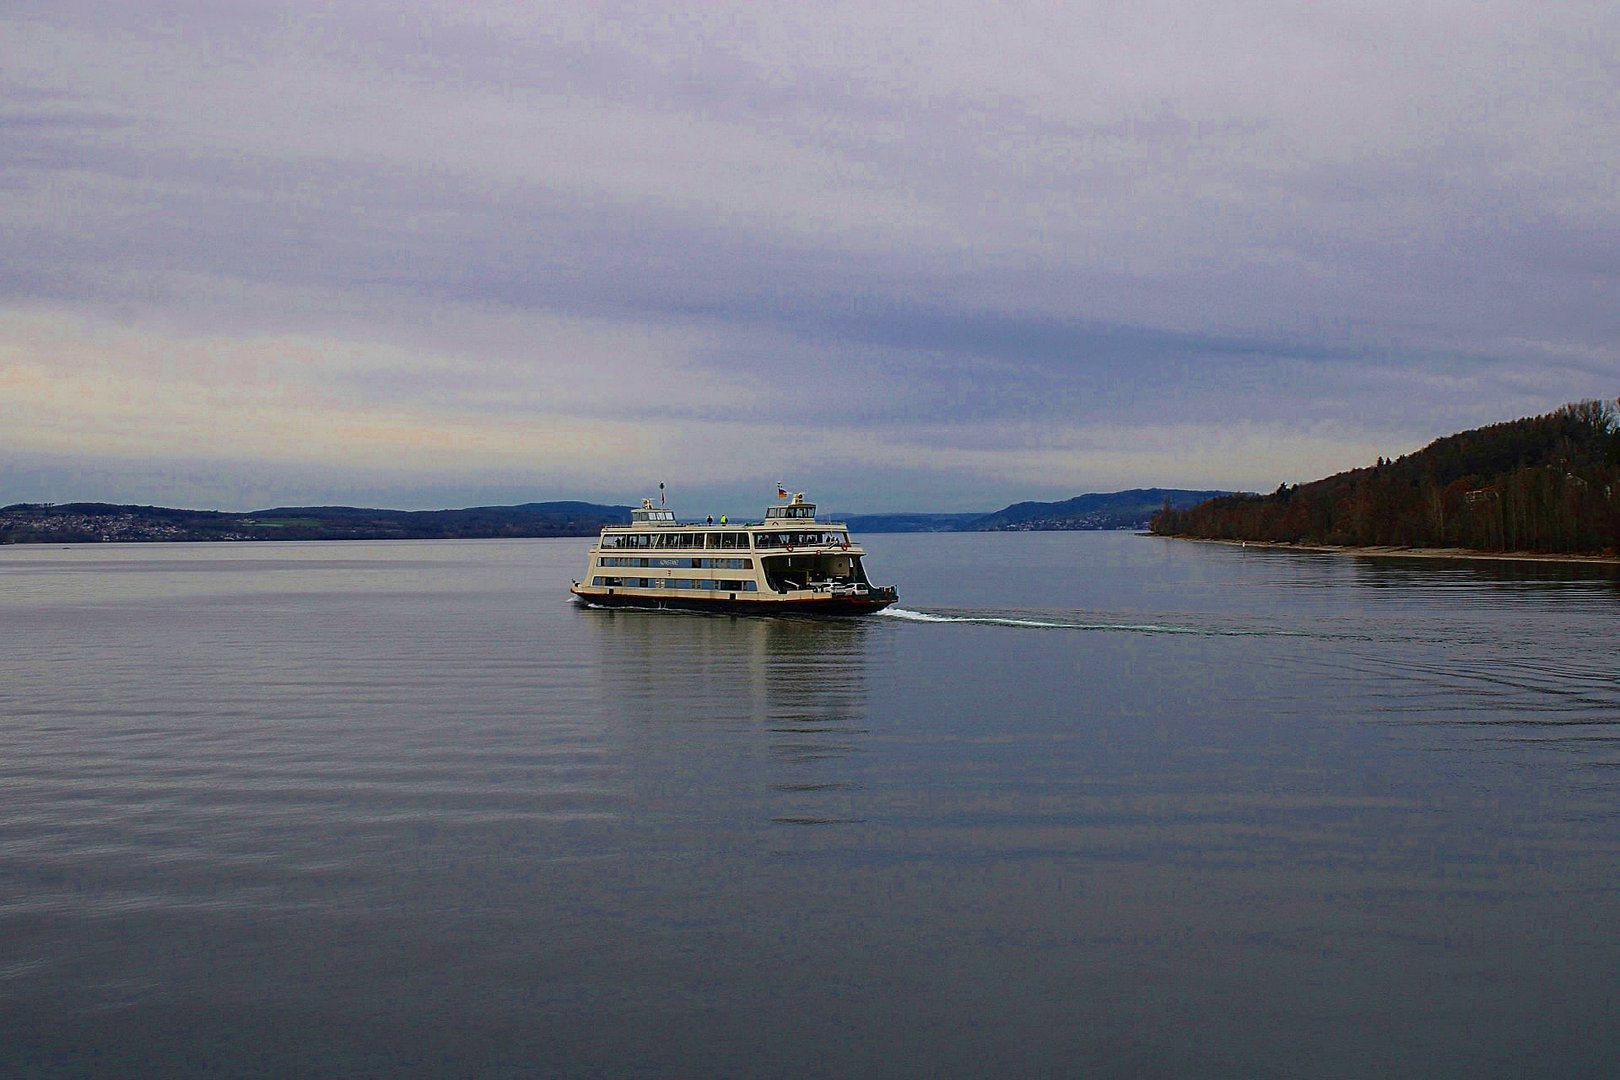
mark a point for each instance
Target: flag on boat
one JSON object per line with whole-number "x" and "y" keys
{"x": 781, "y": 492}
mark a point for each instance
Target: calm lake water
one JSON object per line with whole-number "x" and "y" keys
{"x": 1086, "y": 804}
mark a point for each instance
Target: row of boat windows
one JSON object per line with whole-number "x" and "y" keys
{"x": 720, "y": 540}
{"x": 674, "y": 564}
{"x": 798, "y": 539}
{"x": 675, "y": 540}
{"x": 675, "y": 583}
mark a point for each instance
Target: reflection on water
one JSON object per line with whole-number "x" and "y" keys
{"x": 801, "y": 681}
{"x": 1421, "y": 574}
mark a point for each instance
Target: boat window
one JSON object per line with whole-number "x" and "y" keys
{"x": 798, "y": 539}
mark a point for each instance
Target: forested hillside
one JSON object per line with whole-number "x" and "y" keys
{"x": 1543, "y": 484}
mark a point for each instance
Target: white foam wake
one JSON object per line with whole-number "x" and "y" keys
{"x": 907, "y": 615}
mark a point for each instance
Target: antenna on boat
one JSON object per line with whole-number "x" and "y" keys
{"x": 660, "y": 493}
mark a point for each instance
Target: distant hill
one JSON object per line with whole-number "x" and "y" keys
{"x": 67, "y": 523}
{"x": 1115, "y": 510}
{"x": 1547, "y": 484}
{"x": 908, "y": 523}
{"x": 87, "y": 522}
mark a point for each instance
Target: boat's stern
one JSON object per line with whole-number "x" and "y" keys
{"x": 879, "y": 597}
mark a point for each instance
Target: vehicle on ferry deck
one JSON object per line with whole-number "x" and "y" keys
{"x": 788, "y": 563}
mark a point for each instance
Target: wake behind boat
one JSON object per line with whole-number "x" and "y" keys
{"x": 787, "y": 563}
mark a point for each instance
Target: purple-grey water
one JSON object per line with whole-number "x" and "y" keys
{"x": 1083, "y": 804}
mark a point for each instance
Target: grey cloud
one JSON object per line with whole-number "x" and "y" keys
{"x": 341, "y": 226}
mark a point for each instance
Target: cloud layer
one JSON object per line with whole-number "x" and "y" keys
{"x": 931, "y": 257}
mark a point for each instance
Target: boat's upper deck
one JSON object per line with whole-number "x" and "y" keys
{"x": 796, "y": 514}
{"x": 792, "y": 526}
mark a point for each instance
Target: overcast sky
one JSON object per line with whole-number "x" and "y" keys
{"x": 902, "y": 256}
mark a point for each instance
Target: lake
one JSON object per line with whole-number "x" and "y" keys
{"x": 1087, "y": 804}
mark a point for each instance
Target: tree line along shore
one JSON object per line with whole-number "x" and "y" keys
{"x": 1545, "y": 485}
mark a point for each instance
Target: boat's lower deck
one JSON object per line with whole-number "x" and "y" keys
{"x": 810, "y": 603}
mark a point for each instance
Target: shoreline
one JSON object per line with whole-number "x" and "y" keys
{"x": 1392, "y": 551}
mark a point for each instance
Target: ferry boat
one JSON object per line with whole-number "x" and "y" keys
{"x": 789, "y": 563}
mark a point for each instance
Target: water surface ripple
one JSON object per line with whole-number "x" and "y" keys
{"x": 1084, "y": 804}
